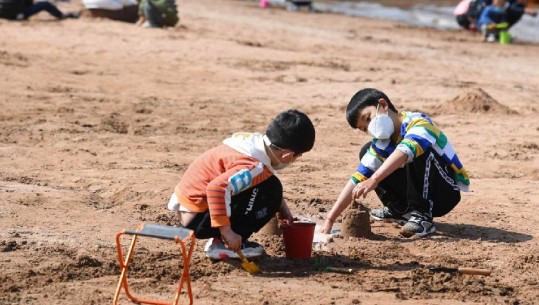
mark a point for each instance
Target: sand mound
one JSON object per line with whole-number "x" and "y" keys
{"x": 356, "y": 221}
{"x": 474, "y": 100}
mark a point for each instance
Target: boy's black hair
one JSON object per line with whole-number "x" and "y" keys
{"x": 292, "y": 130}
{"x": 364, "y": 98}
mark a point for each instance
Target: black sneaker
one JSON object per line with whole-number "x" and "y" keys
{"x": 419, "y": 225}
{"x": 387, "y": 214}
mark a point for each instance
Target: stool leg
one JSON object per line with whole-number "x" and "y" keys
{"x": 124, "y": 264}
{"x": 185, "y": 275}
{"x": 188, "y": 274}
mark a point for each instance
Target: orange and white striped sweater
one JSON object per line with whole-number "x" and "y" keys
{"x": 218, "y": 174}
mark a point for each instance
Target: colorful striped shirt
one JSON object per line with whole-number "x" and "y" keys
{"x": 417, "y": 134}
{"x": 218, "y": 174}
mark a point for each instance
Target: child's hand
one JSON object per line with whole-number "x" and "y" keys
{"x": 230, "y": 238}
{"x": 328, "y": 225}
{"x": 363, "y": 188}
{"x": 284, "y": 213}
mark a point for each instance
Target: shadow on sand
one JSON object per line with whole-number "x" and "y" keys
{"x": 277, "y": 267}
{"x": 451, "y": 231}
{"x": 475, "y": 232}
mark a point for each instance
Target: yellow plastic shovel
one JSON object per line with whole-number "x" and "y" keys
{"x": 251, "y": 267}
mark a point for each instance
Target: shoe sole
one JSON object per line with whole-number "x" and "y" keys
{"x": 224, "y": 257}
{"x": 422, "y": 234}
{"x": 399, "y": 221}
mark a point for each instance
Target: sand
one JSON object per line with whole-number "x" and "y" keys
{"x": 356, "y": 221}
{"x": 99, "y": 119}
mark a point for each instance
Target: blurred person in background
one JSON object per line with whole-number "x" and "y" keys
{"x": 157, "y": 13}
{"x": 468, "y": 12}
{"x": 22, "y": 10}
{"x": 119, "y": 10}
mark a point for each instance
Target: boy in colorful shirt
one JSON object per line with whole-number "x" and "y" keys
{"x": 231, "y": 191}
{"x": 410, "y": 164}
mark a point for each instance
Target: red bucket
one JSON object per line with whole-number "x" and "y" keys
{"x": 298, "y": 239}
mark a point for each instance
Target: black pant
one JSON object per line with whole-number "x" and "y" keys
{"x": 9, "y": 9}
{"x": 424, "y": 185}
{"x": 514, "y": 13}
{"x": 463, "y": 21}
{"x": 250, "y": 209}
{"x": 42, "y": 6}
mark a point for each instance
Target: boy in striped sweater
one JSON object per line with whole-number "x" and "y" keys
{"x": 231, "y": 191}
{"x": 409, "y": 163}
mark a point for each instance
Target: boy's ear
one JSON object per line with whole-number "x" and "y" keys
{"x": 383, "y": 103}
{"x": 288, "y": 154}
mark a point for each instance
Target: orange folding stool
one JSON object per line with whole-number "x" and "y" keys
{"x": 179, "y": 235}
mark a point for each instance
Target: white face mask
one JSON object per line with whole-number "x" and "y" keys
{"x": 279, "y": 166}
{"x": 381, "y": 127}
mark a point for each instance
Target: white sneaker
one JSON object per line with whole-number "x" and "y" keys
{"x": 148, "y": 25}
{"x": 491, "y": 38}
{"x": 216, "y": 250}
{"x": 292, "y": 7}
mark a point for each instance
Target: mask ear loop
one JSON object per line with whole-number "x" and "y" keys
{"x": 378, "y": 107}
{"x": 268, "y": 142}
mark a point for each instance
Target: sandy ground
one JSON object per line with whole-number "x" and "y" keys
{"x": 99, "y": 119}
